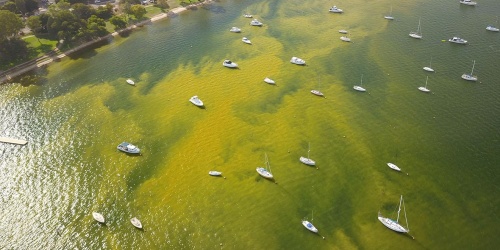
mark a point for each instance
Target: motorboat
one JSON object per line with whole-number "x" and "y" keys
{"x": 425, "y": 89}
{"x": 269, "y": 80}
{"x": 458, "y": 40}
{"x": 136, "y": 222}
{"x": 334, "y": 9}
{"x": 309, "y": 226}
{"x": 298, "y": 61}
{"x": 247, "y": 15}
{"x": 255, "y": 22}
{"x": 235, "y": 30}
{"x": 128, "y": 148}
{"x": 215, "y": 173}
{"x": 98, "y": 217}
{"x": 196, "y": 101}
{"x": 343, "y": 31}
{"x": 246, "y": 40}
{"x": 492, "y": 28}
{"x": 229, "y": 64}
{"x": 393, "y": 166}
{"x": 468, "y": 2}
{"x": 129, "y": 81}
{"x": 345, "y": 38}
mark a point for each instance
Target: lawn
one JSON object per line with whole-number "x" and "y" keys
{"x": 39, "y": 47}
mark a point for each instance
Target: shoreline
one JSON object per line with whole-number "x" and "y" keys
{"x": 48, "y": 58}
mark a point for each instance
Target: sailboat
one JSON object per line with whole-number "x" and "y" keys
{"x": 264, "y": 172}
{"x": 493, "y": 28}
{"x": 470, "y": 77}
{"x": 429, "y": 68}
{"x": 307, "y": 161}
{"x": 309, "y": 225}
{"x": 417, "y": 34}
{"x": 317, "y": 92}
{"x": 389, "y": 17}
{"x": 394, "y": 225}
{"x": 360, "y": 88}
{"x": 425, "y": 89}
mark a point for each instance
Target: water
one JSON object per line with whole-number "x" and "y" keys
{"x": 447, "y": 141}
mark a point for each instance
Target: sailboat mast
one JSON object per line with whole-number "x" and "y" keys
{"x": 361, "y": 80}
{"x": 473, "y": 64}
{"x": 404, "y": 209}
{"x": 430, "y": 64}
{"x": 399, "y": 209}
{"x": 308, "y": 149}
{"x": 426, "y": 81}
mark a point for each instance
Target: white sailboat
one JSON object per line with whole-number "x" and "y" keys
{"x": 394, "y": 225}
{"x": 429, "y": 69}
{"x": 264, "y": 172}
{"x": 307, "y": 161}
{"x": 316, "y": 91}
{"x": 470, "y": 77}
{"x": 389, "y": 17}
{"x": 393, "y": 166}
{"x": 360, "y": 88}
{"x": 417, "y": 34}
{"x": 425, "y": 89}
{"x": 309, "y": 225}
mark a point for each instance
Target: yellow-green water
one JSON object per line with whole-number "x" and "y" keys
{"x": 447, "y": 141}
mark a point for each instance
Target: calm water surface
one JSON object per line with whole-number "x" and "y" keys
{"x": 448, "y": 141}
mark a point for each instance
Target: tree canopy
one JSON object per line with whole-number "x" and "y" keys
{"x": 10, "y": 24}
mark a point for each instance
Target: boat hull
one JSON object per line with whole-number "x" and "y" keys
{"x": 215, "y": 173}
{"x": 98, "y": 217}
{"x": 136, "y": 222}
{"x": 393, "y": 166}
{"x": 424, "y": 89}
{"x": 309, "y": 226}
{"x": 264, "y": 173}
{"x": 394, "y": 226}
{"x": 270, "y": 81}
{"x": 428, "y": 69}
{"x": 128, "y": 148}
{"x": 317, "y": 92}
{"x": 469, "y": 77}
{"x": 359, "y": 88}
{"x": 307, "y": 161}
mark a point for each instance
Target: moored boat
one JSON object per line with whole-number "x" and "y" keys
{"x": 246, "y": 40}
{"x": 128, "y": 148}
{"x": 136, "y": 222}
{"x": 255, "y": 22}
{"x": 298, "y": 61}
{"x": 98, "y": 217}
{"x": 334, "y": 9}
{"x": 215, "y": 173}
{"x": 468, "y": 2}
{"x": 492, "y": 28}
{"x": 196, "y": 101}
{"x": 229, "y": 64}
{"x": 393, "y": 166}
{"x": 129, "y": 81}
{"x": 269, "y": 80}
{"x": 235, "y": 30}
{"x": 458, "y": 40}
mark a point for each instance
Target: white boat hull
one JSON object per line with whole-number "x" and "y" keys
{"x": 415, "y": 35}
{"x": 392, "y": 225}
{"x": 424, "y": 89}
{"x": 215, "y": 173}
{"x": 309, "y": 226}
{"x": 269, "y": 80}
{"x": 246, "y": 40}
{"x": 129, "y": 81}
{"x": 389, "y": 17}
{"x": 345, "y": 39}
{"x": 307, "y": 161}
{"x": 196, "y": 101}
{"x": 429, "y": 69}
{"x": 136, "y": 222}
{"x": 229, "y": 64}
{"x": 359, "y": 88}
{"x": 264, "y": 173}
{"x": 98, "y": 217}
{"x": 393, "y": 166}
{"x": 298, "y": 61}
{"x": 469, "y": 77}
{"x": 491, "y": 28}
{"x": 316, "y": 92}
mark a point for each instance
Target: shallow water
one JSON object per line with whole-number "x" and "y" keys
{"x": 447, "y": 141}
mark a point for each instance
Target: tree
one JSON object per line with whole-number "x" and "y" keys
{"x": 35, "y": 25}
{"x": 105, "y": 12}
{"x": 118, "y": 22}
{"x": 83, "y": 11}
{"x": 10, "y": 6}
{"x": 21, "y": 6}
{"x": 163, "y": 4}
{"x": 138, "y": 11}
{"x": 10, "y": 24}
{"x": 64, "y": 24}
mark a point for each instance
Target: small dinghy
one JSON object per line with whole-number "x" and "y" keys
{"x": 129, "y": 81}
{"x": 215, "y": 173}
{"x": 98, "y": 217}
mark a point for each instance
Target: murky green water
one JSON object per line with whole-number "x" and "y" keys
{"x": 447, "y": 141}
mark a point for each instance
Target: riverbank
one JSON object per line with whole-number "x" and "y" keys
{"x": 56, "y": 55}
